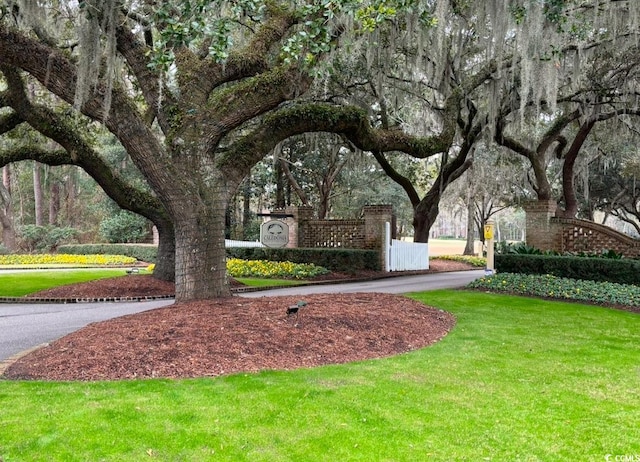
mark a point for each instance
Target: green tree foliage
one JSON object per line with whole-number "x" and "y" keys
{"x": 45, "y": 238}
{"x": 124, "y": 227}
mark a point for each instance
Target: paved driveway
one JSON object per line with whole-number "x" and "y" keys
{"x": 24, "y": 326}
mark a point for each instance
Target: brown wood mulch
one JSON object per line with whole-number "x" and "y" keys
{"x": 231, "y": 335}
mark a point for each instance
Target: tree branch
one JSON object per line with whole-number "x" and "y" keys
{"x": 349, "y": 121}
{"x": 8, "y": 122}
{"x": 76, "y": 152}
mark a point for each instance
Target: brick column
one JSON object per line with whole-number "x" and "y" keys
{"x": 375, "y": 216}
{"x": 297, "y": 224}
{"x": 541, "y": 232}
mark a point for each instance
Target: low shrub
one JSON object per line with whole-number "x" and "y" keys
{"x": 124, "y": 226}
{"x": 343, "y": 260}
{"x": 44, "y": 238}
{"x": 623, "y": 271}
{"x": 547, "y": 285}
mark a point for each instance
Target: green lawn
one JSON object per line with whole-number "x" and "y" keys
{"x": 17, "y": 284}
{"x": 517, "y": 379}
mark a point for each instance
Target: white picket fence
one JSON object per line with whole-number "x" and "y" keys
{"x": 405, "y": 256}
{"x": 234, "y": 243}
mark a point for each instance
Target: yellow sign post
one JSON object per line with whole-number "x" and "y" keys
{"x": 488, "y": 230}
{"x": 488, "y": 240}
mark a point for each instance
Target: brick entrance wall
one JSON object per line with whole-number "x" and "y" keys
{"x": 365, "y": 233}
{"x": 586, "y": 236}
{"x": 547, "y": 232}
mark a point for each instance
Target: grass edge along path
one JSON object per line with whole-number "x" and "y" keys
{"x": 18, "y": 284}
{"x": 517, "y": 379}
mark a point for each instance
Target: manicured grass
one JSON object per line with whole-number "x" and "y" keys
{"x": 517, "y": 379}
{"x": 27, "y": 282}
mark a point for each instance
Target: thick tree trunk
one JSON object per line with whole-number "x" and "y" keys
{"x": 568, "y": 185}
{"x": 200, "y": 256}
{"x": 199, "y": 222}
{"x": 165, "y": 268}
{"x": 323, "y": 207}
{"x": 424, "y": 216}
{"x": 38, "y": 195}
{"x": 542, "y": 186}
{"x": 469, "y": 247}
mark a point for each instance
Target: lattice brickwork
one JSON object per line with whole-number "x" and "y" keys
{"x": 585, "y": 236}
{"x": 346, "y": 234}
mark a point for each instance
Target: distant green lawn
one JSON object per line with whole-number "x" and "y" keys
{"x": 517, "y": 379}
{"x": 18, "y": 284}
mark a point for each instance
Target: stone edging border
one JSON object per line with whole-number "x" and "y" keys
{"x": 149, "y": 298}
{"x": 33, "y": 300}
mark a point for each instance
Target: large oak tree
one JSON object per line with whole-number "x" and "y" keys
{"x": 195, "y": 115}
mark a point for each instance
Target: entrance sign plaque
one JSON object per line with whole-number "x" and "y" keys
{"x": 274, "y": 233}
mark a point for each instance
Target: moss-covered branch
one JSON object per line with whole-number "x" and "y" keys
{"x": 9, "y": 121}
{"x": 349, "y": 121}
{"x": 76, "y": 151}
{"x": 57, "y": 73}
{"x": 135, "y": 52}
{"x": 253, "y": 58}
{"x": 248, "y": 99}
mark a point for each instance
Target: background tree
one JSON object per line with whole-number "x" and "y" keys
{"x": 6, "y": 212}
{"x": 595, "y": 77}
{"x": 614, "y": 187}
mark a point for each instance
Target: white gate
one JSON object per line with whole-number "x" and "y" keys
{"x": 233, "y": 243}
{"x": 404, "y": 256}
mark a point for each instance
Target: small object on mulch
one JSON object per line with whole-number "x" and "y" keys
{"x": 293, "y": 309}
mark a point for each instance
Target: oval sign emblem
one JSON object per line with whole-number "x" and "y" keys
{"x": 274, "y": 233}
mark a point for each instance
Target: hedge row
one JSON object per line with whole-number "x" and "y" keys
{"x": 345, "y": 260}
{"x": 143, "y": 252}
{"x": 622, "y": 271}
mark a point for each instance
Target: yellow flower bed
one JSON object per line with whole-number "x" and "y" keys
{"x": 66, "y": 259}
{"x": 271, "y": 269}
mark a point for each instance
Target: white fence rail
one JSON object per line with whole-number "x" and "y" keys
{"x": 234, "y": 243}
{"x": 405, "y": 256}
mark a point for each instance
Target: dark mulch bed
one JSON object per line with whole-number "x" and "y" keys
{"x": 210, "y": 338}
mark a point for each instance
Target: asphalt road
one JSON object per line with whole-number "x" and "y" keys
{"x": 393, "y": 285}
{"x": 25, "y": 326}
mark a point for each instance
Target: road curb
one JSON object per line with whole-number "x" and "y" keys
{"x": 5, "y": 363}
